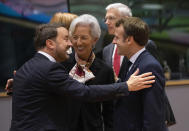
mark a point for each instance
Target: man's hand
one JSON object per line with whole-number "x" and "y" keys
{"x": 139, "y": 82}
{"x": 9, "y": 84}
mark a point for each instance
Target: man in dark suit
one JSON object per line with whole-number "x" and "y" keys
{"x": 41, "y": 86}
{"x": 114, "y": 12}
{"x": 143, "y": 110}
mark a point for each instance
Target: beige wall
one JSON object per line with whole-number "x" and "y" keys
{"x": 179, "y": 99}
{"x": 5, "y": 113}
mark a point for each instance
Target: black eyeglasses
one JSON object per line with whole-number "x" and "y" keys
{"x": 110, "y": 18}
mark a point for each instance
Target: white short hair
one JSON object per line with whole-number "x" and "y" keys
{"x": 124, "y": 10}
{"x": 86, "y": 19}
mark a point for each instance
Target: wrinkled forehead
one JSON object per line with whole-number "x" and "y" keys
{"x": 86, "y": 29}
{"x": 113, "y": 12}
{"x": 62, "y": 31}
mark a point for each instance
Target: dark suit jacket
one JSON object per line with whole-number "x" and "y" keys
{"x": 92, "y": 116}
{"x": 143, "y": 110}
{"x": 152, "y": 48}
{"x": 40, "y": 95}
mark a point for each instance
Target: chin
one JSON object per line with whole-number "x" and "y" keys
{"x": 67, "y": 57}
{"x": 111, "y": 32}
{"x": 80, "y": 55}
{"x": 120, "y": 53}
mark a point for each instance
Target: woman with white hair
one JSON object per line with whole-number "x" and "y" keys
{"x": 84, "y": 33}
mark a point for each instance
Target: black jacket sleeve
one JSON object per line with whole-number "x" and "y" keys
{"x": 59, "y": 82}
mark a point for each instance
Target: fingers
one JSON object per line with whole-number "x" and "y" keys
{"x": 137, "y": 82}
{"x": 148, "y": 82}
{"x": 136, "y": 72}
{"x": 8, "y": 85}
{"x": 14, "y": 72}
{"x": 146, "y": 86}
{"x": 145, "y": 74}
{"x": 143, "y": 86}
{"x": 148, "y": 78}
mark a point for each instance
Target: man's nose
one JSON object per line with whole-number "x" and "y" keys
{"x": 79, "y": 41}
{"x": 114, "y": 41}
{"x": 69, "y": 43}
{"x": 107, "y": 21}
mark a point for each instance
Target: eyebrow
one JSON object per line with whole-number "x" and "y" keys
{"x": 110, "y": 15}
{"x": 66, "y": 36}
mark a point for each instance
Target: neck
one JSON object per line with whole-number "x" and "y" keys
{"x": 134, "y": 50}
{"x": 83, "y": 58}
{"x": 46, "y": 51}
{"x": 49, "y": 52}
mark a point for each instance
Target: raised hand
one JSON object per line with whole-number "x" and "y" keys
{"x": 137, "y": 82}
{"x": 9, "y": 84}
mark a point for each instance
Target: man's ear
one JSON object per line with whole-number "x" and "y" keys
{"x": 94, "y": 41}
{"x": 130, "y": 39}
{"x": 50, "y": 44}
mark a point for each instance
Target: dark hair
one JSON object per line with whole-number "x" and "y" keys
{"x": 136, "y": 27}
{"x": 45, "y": 32}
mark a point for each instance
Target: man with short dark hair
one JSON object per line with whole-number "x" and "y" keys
{"x": 42, "y": 86}
{"x": 114, "y": 12}
{"x": 143, "y": 110}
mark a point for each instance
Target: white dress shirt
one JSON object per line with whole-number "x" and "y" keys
{"x": 135, "y": 56}
{"x": 47, "y": 55}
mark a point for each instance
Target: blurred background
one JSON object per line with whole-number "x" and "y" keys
{"x": 168, "y": 21}
{"x": 169, "y": 26}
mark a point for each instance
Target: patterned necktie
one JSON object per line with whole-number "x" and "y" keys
{"x": 116, "y": 63}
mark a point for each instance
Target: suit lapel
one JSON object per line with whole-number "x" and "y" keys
{"x": 111, "y": 53}
{"x": 132, "y": 70}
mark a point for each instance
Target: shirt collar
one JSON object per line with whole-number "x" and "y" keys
{"x": 135, "y": 56}
{"x": 47, "y": 55}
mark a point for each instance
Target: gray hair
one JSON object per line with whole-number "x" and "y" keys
{"x": 124, "y": 10}
{"x": 86, "y": 19}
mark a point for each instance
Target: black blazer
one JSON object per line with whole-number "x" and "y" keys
{"x": 93, "y": 116}
{"x": 143, "y": 110}
{"x": 41, "y": 89}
